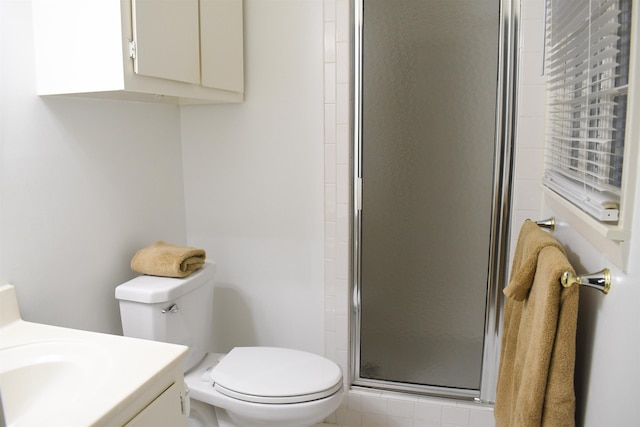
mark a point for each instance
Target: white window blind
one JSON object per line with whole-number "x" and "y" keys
{"x": 587, "y": 63}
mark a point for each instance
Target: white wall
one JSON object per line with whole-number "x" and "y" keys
{"x": 84, "y": 184}
{"x": 608, "y": 345}
{"x": 253, "y": 184}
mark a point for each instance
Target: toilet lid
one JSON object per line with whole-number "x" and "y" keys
{"x": 275, "y": 375}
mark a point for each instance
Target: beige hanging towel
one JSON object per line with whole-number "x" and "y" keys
{"x": 537, "y": 359}
{"x": 168, "y": 260}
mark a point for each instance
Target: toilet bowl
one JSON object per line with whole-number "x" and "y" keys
{"x": 266, "y": 386}
{"x": 201, "y": 415}
{"x": 247, "y": 387}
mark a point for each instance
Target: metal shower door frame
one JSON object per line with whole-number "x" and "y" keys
{"x": 500, "y": 212}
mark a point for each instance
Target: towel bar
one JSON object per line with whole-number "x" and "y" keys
{"x": 549, "y": 223}
{"x": 600, "y": 280}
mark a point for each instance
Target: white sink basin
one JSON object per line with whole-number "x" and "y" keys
{"x": 39, "y": 380}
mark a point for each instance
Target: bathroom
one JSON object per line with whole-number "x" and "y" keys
{"x": 264, "y": 187}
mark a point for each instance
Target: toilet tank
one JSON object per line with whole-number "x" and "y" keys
{"x": 178, "y": 311}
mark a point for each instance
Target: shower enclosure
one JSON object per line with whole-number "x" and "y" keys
{"x": 433, "y": 121}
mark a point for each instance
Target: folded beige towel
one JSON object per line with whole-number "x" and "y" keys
{"x": 537, "y": 359}
{"x": 168, "y": 260}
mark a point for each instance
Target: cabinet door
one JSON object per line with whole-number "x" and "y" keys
{"x": 166, "y": 410}
{"x": 221, "y": 44}
{"x": 166, "y": 33}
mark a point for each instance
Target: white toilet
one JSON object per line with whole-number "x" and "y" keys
{"x": 247, "y": 387}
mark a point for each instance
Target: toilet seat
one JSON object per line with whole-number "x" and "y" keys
{"x": 273, "y": 375}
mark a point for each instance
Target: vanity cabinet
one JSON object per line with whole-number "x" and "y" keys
{"x": 175, "y": 51}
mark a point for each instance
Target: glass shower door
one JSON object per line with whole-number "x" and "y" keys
{"x": 429, "y": 89}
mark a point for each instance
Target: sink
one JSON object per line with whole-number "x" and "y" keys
{"x": 41, "y": 379}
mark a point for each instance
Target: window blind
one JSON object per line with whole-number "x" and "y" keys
{"x": 587, "y": 66}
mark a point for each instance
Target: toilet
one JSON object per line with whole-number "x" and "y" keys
{"x": 247, "y": 387}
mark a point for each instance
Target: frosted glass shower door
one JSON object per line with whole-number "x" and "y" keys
{"x": 428, "y": 120}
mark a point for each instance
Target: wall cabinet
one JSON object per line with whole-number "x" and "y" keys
{"x": 176, "y": 51}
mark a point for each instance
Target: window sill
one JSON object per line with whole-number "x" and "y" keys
{"x": 611, "y": 240}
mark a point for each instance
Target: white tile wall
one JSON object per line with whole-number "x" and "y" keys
{"x": 529, "y": 160}
{"x": 337, "y": 181}
{"x": 372, "y": 408}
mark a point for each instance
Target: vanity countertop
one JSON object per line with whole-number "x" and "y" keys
{"x": 51, "y": 375}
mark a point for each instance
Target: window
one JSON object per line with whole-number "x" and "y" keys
{"x": 587, "y": 66}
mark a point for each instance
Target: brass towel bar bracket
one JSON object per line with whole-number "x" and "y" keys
{"x": 549, "y": 224}
{"x": 600, "y": 280}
